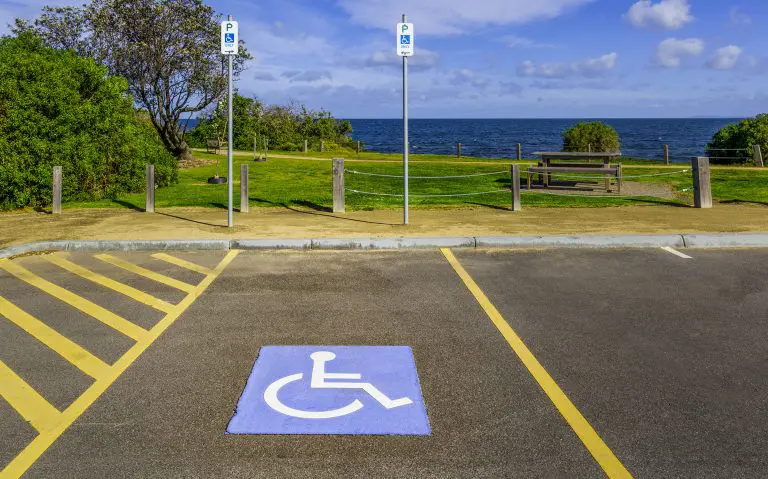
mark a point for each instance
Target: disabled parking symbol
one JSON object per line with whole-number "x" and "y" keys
{"x": 332, "y": 390}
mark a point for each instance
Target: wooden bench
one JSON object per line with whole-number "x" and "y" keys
{"x": 609, "y": 171}
{"x": 212, "y": 146}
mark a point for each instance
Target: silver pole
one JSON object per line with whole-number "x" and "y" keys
{"x": 405, "y": 135}
{"x": 230, "y": 221}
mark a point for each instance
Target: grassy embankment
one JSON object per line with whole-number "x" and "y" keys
{"x": 291, "y": 182}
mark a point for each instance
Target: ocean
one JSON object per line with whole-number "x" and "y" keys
{"x": 640, "y": 138}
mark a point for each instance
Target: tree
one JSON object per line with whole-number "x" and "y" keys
{"x": 591, "y": 136}
{"x": 734, "y": 143}
{"x": 167, "y": 50}
{"x": 284, "y": 126}
{"x": 59, "y": 109}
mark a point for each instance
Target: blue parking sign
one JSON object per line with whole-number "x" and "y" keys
{"x": 332, "y": 390}
{"x": 229, "y": 37}
{"x": 405, "y": 39}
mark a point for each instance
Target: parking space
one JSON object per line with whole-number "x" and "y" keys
{"x": 70, "y": 324}
{"x": 557, "y": 363}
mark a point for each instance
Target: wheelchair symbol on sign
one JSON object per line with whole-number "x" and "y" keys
{"x": 319, "y": 381}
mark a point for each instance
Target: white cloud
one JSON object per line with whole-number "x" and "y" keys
{"x": 667, "y": 14}
{"x": 514, "y": 41}
{"x": 423, "y": 60}
{"x": 725, "y": 58}
{"x": 590, "y": 68}
{"x": 467, "y": 77}
{"x": 671, "y": 52}
{"x": 739, "y": 18}
{"x": 454, "y": 17}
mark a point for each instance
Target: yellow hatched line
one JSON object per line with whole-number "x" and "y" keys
{"x": 23, "y": 398}
{"x": 121, "y": 288}
{"x": 72, "y": 352}
{"x": 42, "y": 442}
{"x": 607, "y": 460}
{"x": 182, "y": 263}
{"x": 160, "y": 278}
{"x": 105, "y": 316}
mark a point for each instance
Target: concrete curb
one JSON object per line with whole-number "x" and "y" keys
{"x": 724, "y": 240}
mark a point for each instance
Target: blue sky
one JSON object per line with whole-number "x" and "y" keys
{"x": 504, "y": 58}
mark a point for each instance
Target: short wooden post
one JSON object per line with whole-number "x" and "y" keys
{"x": 150, "y": 204}
{"x": 758, "y": 157}
{"x": 666, "y": 154}
{"x": 322, "y": 145}
{"x": 702, "y": 186}
{"x": 515, "y": 173}
{"x": 56, "y": 209}
{"x": 589, "y": 150}
{"x": 305, "y": 146}
{"x": 358, "y": 147}
{"x": 458, "y": 150}
{"x": 244, "y": 206}
{"x": 519, "y": 152}
{"x": 338, "y": 185}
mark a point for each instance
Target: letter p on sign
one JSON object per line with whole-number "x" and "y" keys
{"x": 229, "y": 37}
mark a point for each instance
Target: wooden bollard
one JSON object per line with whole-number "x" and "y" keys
{"x": 458, "y": 150}
{"x": 305, "y": 146}
{"x": 322, "y": 146}
{"x": 758, "y": 156}
{"x": 244, "y": 206}
{"x": 666, "y": 154}
{"x": 338, "y": 185}
{"x": 56, "y": 208}
{"x": 519, "y": 152}
{"x": 515, "y": 174}
{"x": 702, "y": 183}
{"x": 358, "y": 147}
{"x": 150, "y": 203}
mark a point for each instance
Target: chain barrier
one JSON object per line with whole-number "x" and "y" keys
{"x": 427, "y": 196}
{"x": 354, "y": 172}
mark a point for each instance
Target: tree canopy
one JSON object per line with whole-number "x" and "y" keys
{"x": 59, "y": 109}
{"x": 591, "y": 136}
{"x": 167, "y": 50}
{"x": 284, "y": 126}
{"x": 734, "y": 144}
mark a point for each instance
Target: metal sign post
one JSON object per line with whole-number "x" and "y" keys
{"x": 229, "y": 46}
{"x": 405, "y": 49}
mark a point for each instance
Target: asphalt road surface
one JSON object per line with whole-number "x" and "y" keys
{"x": 556, "y": 363}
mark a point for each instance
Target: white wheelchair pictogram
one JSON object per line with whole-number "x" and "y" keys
{"x": 319, "y": 381}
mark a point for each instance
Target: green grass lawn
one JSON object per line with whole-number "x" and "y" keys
{"x": 303, "y": 183}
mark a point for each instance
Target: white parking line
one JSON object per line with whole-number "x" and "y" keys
{"x": 675, "y": 252}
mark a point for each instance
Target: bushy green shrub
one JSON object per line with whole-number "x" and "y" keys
{"x": 284, "y": 126}
{"x": 58, "y": 109}
{"x": 734, "y": 144}
{"x": 593, "y": 136}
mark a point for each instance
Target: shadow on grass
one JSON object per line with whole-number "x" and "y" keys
{"x": 744, "y": 202}
{"x": 188, "y": 219}
{"x": 318, "y": 210}
{"x": 128, "y": 205}
{"x": 495, "y": 207}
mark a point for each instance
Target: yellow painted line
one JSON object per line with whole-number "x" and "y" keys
{"x": 182, "y": 263}
{"x": 92, "y": 309}
{"x": 121, "y": 288}
{"x": 589, "y": 437}
{"x": 42, "y": 442}
{"x": 72, "y": 352}
{"x": 160, "y": 278}
{"x": 26, "y": 401}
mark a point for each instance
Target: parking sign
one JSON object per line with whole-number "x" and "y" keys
{"x": 229, "y": 37}
{"x": 405, "y": 39}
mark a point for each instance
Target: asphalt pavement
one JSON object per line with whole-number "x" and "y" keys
{"x": 664, "y": 357}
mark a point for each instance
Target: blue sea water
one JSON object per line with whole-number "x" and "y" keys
{"x": 641, "y": 138}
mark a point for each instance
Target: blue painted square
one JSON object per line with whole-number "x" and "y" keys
{"x": 332, "y": 390}
{"x": 405, "y": 39}
{"x": 229, "y": 38}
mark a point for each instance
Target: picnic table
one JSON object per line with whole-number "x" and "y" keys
{"x": 567, "y": 164}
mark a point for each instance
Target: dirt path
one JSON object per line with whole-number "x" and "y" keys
{"x": 198, "y": 223}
